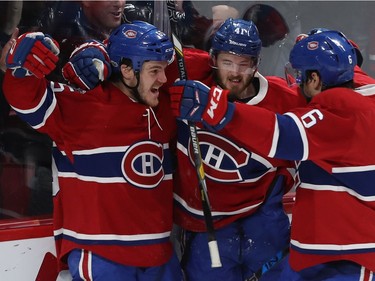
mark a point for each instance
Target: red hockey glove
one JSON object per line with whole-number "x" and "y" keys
{"x": 194, "y": 101}
{"x": 33, "y": 53}
{"x": 89, "y": 64}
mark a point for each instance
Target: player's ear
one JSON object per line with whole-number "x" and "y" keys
{"x": 315, "y": 80}
{"x": 127, "y": 72}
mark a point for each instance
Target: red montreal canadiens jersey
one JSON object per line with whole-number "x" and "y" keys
{"x": 112, "y": 168}
{"x": 334, "y": 213}
{"x": 361, "y": 78}
{"x": 237, "y": 177}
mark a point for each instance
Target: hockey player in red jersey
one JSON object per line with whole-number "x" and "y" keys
{"x": 245, "y": 187}
{"x": 112, "y": 162}
{"x": 332, "y": 234}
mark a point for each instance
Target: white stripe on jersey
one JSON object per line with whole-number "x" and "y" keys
{"x": 334, "y": 247}
{"x": 337, "y": 189}
{"x": 100, "y": 179}
{"x": 353, "y": 169}
{"x": 106, "y": 237}
{"x": 200, "y": 212}
{"x": 105, "y": 150}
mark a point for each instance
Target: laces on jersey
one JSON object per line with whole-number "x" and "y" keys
{"x": 148, "y": 110}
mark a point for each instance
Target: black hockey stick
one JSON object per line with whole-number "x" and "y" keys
{"x": 212, "y": 243}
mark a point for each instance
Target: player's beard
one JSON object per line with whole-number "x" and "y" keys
{"x": 234, "y": 91}
{"x": 135, "y": 90}
{"x": 137, "y": 96}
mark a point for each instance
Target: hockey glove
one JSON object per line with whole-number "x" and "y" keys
{"x": 33, "y": 53}
{"x": 194, "y": 101}
{"x": 89, "y": 64}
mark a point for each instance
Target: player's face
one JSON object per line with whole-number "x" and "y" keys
{"x": 106, "y": 15}
{"x": 235, "y": 72}
{"x": 152, "y": 77}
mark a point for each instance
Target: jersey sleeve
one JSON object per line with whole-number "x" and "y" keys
{"x": 35, "y": 102}
{"x": 328, "y": 128}
{"x": 361, "y": 78}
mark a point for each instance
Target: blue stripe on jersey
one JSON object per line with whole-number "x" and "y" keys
{"x": 290, "y": 144}
{"x": 360, "y": 181}
{"x": 103, "y": 164}
{"x": 36, "y": 116}
{"x": 183, "y": 133}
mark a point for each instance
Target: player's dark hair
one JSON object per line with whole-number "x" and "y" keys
{"x": 117, "y": 76}
{"x": 348, "y": 84}
{"x": 309, "y": 75}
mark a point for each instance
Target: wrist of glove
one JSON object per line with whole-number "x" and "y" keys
{"x": 89, "y": 64}
{"x": 34, "y": 53}
{"x": 194, "y": 101}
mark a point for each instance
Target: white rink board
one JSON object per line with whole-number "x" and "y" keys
{"x": 20, "y": 260}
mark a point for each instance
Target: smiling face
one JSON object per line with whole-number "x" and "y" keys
{"x": 104, "y": 15}
{"x": 152, "y": 77}
{"x": 235, "y": 72}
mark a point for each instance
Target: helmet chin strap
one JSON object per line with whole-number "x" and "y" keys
{"x": 134, "y": 89}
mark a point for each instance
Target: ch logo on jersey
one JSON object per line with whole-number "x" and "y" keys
{"x": 142, "y": 164}
{"x": 222, "y": 158}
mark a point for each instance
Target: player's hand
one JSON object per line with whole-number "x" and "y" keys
{"x": 194, "y": 101}
{"x": 33, "y": 53}
{"x": 89, "y": 64}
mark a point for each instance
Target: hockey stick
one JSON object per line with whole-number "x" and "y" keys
{"x": 212, "y": 243}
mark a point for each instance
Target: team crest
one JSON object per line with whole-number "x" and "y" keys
{"x": 131, "y": 34}
{"x": 224, "y": 161}
{"x": 313, "y": 45}
{"x": 142, "y": 164}
{"x": 222, "y": 158}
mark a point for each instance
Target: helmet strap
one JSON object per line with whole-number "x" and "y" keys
{"x": 134, "y": 89}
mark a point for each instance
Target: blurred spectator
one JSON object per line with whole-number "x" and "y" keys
{"x": 279, "y": 24}
{"x": 139, "y": 10}
{"x": 270, "y": 23}
{"x": 189, "y": 24}
{"x": 11, "y": 16}
{"x": 220, "y": 13}
{"x": 92, "y": 20}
